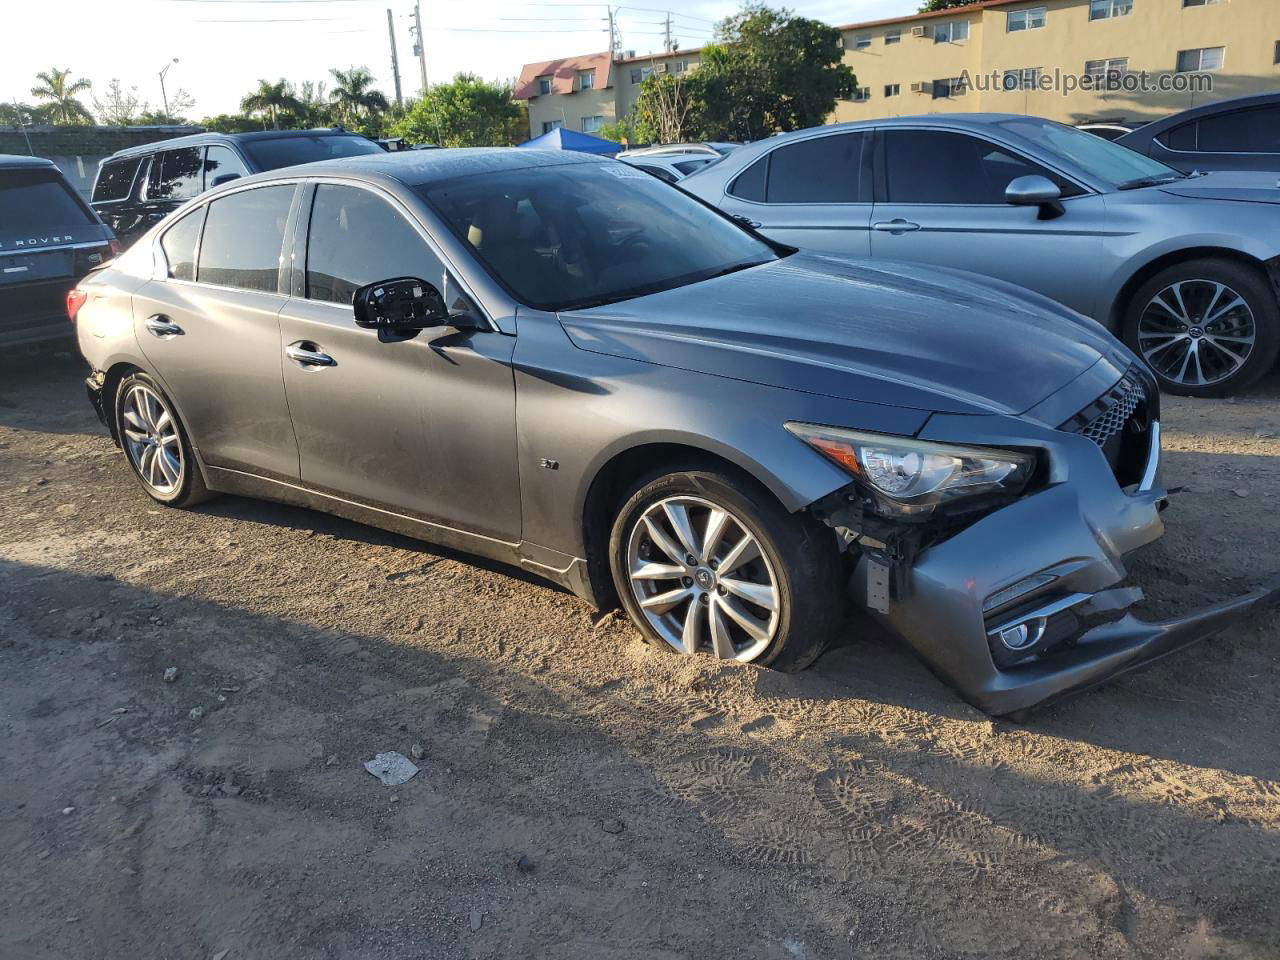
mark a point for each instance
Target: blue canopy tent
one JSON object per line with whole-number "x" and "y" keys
{"x": 562, "y": 139}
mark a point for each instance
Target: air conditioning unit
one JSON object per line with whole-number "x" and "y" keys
{"x": 918, "y": 31}
{"x": 922, "y": 86}
{"x": 659, "y": 68}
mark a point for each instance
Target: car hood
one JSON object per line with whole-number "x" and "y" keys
{"x": 906, "y": 335}
{"x": 1249, "y": 186}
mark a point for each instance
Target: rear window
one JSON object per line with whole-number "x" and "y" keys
{"x": 275, "y": 152}
{"x": 38, "y": 200}
{"x": 243, "y": 236}
{"x": 175, "y": 174}
{"x": 115, "y": 179}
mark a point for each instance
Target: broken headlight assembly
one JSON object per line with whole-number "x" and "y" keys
{"x": 909, "y": 479}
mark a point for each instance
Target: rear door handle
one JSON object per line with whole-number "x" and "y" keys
{"x": 307, "y": 354}
{"x": 897, "y": 225}
{"x": 753, "y": 224}
{"x": 158, "y": 325}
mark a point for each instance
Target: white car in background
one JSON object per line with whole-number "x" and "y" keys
{"x": 669, "y": 167}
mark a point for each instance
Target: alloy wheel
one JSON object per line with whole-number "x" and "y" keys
{"x": 1196, "y": 332}
{"x": 701, "y": 581}
{"x": 151, "y": 438}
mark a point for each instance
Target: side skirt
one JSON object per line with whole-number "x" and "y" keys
{"x": 565, "y": 571}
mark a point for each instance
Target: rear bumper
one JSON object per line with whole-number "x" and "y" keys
{"x": 1030, "y": 604}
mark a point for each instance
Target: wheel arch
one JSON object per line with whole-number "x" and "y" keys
{"x": 110, "y": 384}
{"x": 1124, "y": 297}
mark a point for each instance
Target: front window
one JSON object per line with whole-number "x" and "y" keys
{"x": 1106, "y": 9}
{"x": 951, "y": 32}
{"x": 272, "y": 153}
{"x": 1105, "y": 161}
{"x": 941, "y": 167}
{"x": 586, "y": 80}
{"x": 1204, "y": 60}
{"x": 221, "y": 165}
{"x": 1032, "y": 19}
{"x": 576, "y": 235}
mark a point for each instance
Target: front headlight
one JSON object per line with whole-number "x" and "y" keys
{"x": 911, "y": 477}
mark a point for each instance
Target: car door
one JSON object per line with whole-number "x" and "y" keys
{"x": 209, "y": 328}
{"x": 424, "y": 424}
{"x": 175, "y": 177}
{"x": 940, "y": 199}
{"x": 1232, "y": 140}
{"x": 814, "y": 193}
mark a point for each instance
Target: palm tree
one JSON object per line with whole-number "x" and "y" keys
{"x": 63, "y": 107}
{"x": 351, "y": 95}
{"x": 272, "y": 99}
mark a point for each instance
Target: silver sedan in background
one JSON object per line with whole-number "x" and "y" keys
{"x": 1185, "y": 269}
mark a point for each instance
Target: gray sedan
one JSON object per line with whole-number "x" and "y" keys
{"x": 561, "y": 363}
{"x": 1184, "y": 268}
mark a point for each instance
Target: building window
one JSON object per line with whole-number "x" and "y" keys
{"x": 862, "y": 42}
{"x": 1028, "y": 78}
{"x": 1106, "y": 9}
{"x": 679, "y": 66}
{"x": 1106, "y": 74}
{"x": 951, "y": 32}
{"x": 544, "y": 86}
{"x": 587, "y": 80}
{"x": 640, "y": 74}
{"x": 1204, "y": 60}
{"x": 1278, "y": 51}
{"x": 592, "y": 124}
{"x": 892, "y": 36}
{"x": 861, "y": 94}
{"x": 549, "y": 125}
{"x": 892, "y": 89}
{"x": 949, "y": 87}
{"x": 1031, "y": 19}
{"x": 1198, "y": 3}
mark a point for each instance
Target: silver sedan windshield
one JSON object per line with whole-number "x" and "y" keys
{"x": 1099, "y": 158}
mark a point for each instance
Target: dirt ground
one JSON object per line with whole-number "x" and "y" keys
{"x": 582, "y": 795}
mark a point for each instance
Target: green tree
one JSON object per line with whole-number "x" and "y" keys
{"x": 316, "y": 109}
{"x": 271, "y": 100}
{"x": 668, "y": 109}
{"x": 770, "y": 71}
{"x": 933, "y": 6}
{"x": 18, "y": 114}
{"x": 620, "y": 131}
{"x": 355, "y": 104}
{"x": 59, "y": 91}
{"x": 231, "y": 123}
{"x": 465, "y": 112}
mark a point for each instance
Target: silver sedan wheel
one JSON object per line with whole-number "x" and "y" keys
{"x": 151, "y": 439}
{"x": 1196, "y": 332}
{"x": 701, "y": 580}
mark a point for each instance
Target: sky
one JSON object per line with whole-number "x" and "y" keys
{"x": 225, "y": 46}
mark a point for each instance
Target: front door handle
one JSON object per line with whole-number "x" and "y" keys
{"x": 158, "y": 325}
{"x": 753, "y": 224}
{"x": 307, "y": 354}
{"x": 897, "y": 225}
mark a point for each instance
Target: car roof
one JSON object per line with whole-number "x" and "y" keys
{"x": 1156, "y": 127}
{"x": 196, "y": 139}
{"x": 13, "y": 161}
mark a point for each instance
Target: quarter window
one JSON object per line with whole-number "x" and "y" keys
{"x": 222, "y": 161}
{"x": 1242, "y": 131}
{"x": 115, "y": 179}
{"x": 179, "y": 245}
{"x": 932, "y": 166}
{"x": 951, "y": 32}
{"x": 243, "y": 235}
{"x": 1031, "y": 19}
{"x": 750, "y": 184}
{"x": 1106, "y": 9}
{"x": 1203, "y": 60}
{"x": 819, "y": 170}
{"x": 175, "y": 174}
{"x": 358, "y": 238}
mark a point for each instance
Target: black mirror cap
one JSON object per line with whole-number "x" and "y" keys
{"x": 222, "y": 178}
{"x": 402, "y": 303}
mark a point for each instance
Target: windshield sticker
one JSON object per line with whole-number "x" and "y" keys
{"x": 624, "y": 171}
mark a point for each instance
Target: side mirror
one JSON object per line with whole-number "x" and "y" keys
{"x": 405, "y": 303}
{"x": 1035, "y": 191}
{"x": 222, "y": 178}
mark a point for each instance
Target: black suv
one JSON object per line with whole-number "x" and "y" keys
{"x": 49, "y": 239}
{"x": 1242, "y": 133}
{"x": 137, "y": 187}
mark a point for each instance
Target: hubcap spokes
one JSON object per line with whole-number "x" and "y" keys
{"x": 1196, "y": 332}
{"x": 701, "y": 580}
{"x": 151, "y": 438}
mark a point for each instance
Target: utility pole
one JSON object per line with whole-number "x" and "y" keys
{"x": 668, "y": 45}
{"x": 613, "y": 36}
{"x": 164, "y": 96}
{"x": 395, "y": 60}
{"x": 420, "y": 48}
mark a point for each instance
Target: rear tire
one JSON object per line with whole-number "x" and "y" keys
{"x": 155, "y": 443}
{"x": 1206, "y": 328}
{"x": 763, "y": 587}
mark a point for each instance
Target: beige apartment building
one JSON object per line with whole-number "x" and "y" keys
{"x": 1069, "y": 60}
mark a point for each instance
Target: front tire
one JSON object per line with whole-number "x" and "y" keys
{"x": 1206, "y": 328}
{"x": 155, "y": 443}
{"x": 707, "y": 562}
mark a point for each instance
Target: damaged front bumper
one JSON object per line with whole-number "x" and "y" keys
{"x": 1029, "y": 603}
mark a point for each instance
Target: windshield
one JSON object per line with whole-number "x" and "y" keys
{"x": 34, "y": 200}
{"x": 276, "y": 152}
{"x": 578, "y": 234}
{"x": 1099, "y": 158}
